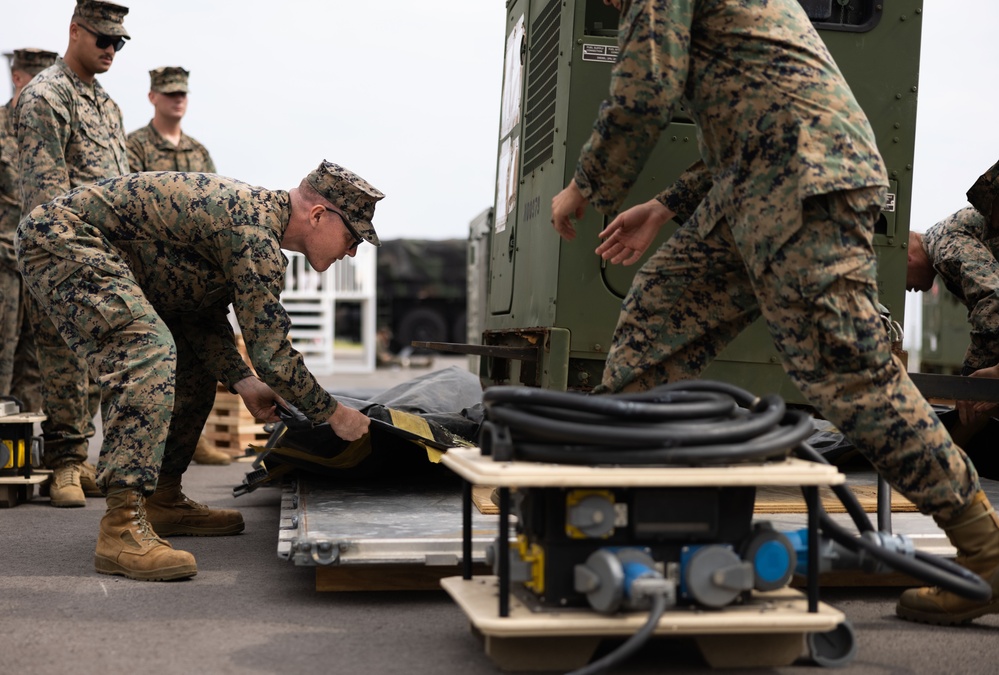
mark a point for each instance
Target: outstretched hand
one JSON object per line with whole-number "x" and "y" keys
{"x": 566, "y": 205}
{"x": 630, "y": 234}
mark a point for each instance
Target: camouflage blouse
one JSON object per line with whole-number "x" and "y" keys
{"x": 10, "y": 198}
{"x": 69, "y": 133}
{"x": 149, "y": 151}
{"x": 777, "y": 121}
{"x": 194, "y": 242}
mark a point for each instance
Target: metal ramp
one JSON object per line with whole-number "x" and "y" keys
{"x": 378, "y": 536}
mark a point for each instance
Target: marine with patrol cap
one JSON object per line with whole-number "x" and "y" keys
{"x": 19, "y": 374}
{"x": 70, "y": 133}
{"x": 138, "y": 273}
{"x": 161, "y": 145}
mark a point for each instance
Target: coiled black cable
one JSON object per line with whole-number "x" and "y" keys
{"x": 693, "y": 423}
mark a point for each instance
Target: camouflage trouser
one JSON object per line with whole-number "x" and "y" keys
{"x": 818, "y": 297}
{"x": 70, "y": 400}
{"x": 19, "y": 374}
{"x": 157, "y": 395}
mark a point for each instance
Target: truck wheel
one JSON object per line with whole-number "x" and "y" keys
{"x": 422, "y": 325}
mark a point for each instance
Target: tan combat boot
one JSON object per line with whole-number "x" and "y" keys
{"x": 65, "y": 489}
{"x": 128, "y": 546}
{"x": 975, "y": 534}
{"x": 172, "y": 513}
{"x": 206, "y": 454}
{"x": 88, "y": 480}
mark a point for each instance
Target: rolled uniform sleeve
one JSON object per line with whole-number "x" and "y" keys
{"x": 647, "y": 82}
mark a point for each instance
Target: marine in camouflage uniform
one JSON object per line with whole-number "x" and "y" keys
{"x": 69, "y": 133}
{"x": 963, "y": 249}
{"x": 148, "y": 150}
{"x": 19, "y": 375}
{"x": 141, "y": 270}
{"x": 784, "y": 231}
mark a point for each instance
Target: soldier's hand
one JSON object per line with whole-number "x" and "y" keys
{"x": 258, "y": 398}
{"x": 630, "y": 234}
{"x": 969, "y": 411}
{"x": 567, "y": 204}
{"x": 348, "y": 423}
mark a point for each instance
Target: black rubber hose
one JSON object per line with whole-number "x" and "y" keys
{"x": 689, "y": 423}
{"x": 527, "y": 424}
{"x": 932, "y": 569}
{"x": 655, "y": 404}
{"x": 845, "y": 494}
{"x": 631, "y": 645}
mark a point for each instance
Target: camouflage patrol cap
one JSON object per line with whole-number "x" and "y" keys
{"x": 351, "y": 194}
{"x": 168, "y": 80}
{"x": 104, "y": 17}
{"x": 32, "y": 61}
{"x": 982, "y": 194}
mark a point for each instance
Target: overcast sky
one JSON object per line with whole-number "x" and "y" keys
{"x": 407, "y": 94}
{"x": 404, "y": 93}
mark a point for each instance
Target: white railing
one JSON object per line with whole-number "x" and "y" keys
{"x": 311, "y": 298}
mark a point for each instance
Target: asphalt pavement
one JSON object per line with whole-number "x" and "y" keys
{"x": 248, "y": 611}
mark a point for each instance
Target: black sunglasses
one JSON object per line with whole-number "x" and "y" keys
{"x": 358, "y": 239}
{"x": 105, "y": 41}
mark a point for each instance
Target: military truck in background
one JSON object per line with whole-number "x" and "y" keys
{"x": 946, "y": 332}
{"x": 421, "y": 291}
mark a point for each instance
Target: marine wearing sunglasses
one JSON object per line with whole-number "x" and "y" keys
{"x": 105, "y": 41}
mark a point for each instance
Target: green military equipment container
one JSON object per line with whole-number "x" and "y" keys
{"x": 946, "y": 332}
{"x": 553, "y": 305}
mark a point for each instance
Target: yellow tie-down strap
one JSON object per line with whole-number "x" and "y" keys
{"x": 419, "y": 426}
